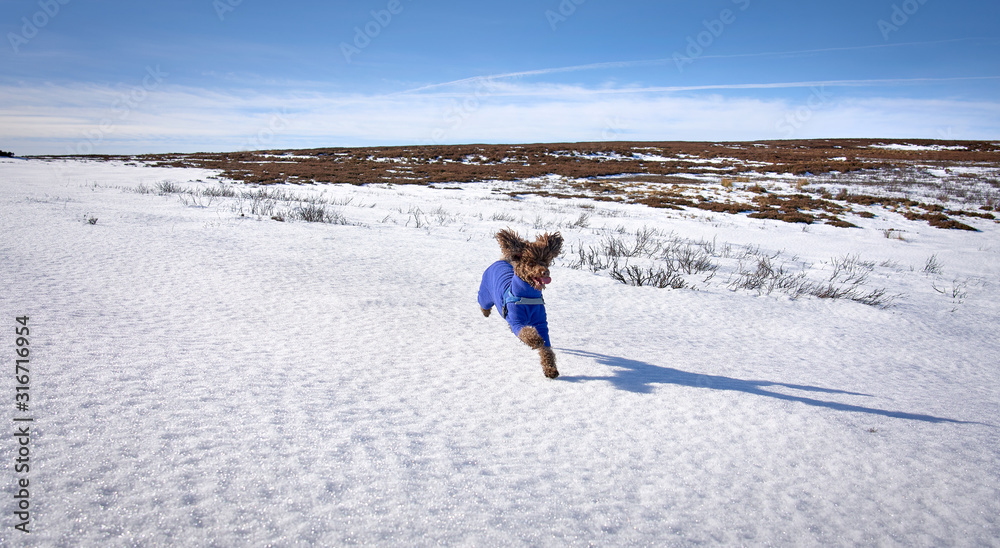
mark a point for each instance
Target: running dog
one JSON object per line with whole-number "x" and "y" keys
{"x": 514, "y": 285}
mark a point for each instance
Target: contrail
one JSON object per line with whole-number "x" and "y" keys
{"x": 706, "y": 87}
{"x": 781, "y": 85}
{"x": 663, "y": 61}
{"x": 507, "y": 75}
{"x": 843, "y": 48}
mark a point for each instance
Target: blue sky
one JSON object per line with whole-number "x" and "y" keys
{"x": 217, "y": 75}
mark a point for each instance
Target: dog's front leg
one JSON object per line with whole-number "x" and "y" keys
{"x": 530, "y": 337}
{"x": 548, "y": 362}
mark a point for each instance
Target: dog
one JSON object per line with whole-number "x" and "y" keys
{"x": 515, "y": 284}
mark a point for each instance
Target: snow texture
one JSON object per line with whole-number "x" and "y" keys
{"x": 205, "y": 379}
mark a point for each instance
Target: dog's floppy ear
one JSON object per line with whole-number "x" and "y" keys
{"x": 551, "y": 245}
{"x": 511, "y": 245}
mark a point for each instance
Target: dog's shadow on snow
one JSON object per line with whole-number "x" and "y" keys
{"x": 640, "y": 377}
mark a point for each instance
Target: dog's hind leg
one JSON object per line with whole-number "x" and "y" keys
{"x": 486, "y": 311}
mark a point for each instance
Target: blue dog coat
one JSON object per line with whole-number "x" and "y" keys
{"x": 522, "y": 303}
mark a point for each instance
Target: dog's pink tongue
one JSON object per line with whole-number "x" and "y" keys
{"x": 546, "y": 280}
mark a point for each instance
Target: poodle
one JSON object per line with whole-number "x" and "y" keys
{"x": 514, "y": 285}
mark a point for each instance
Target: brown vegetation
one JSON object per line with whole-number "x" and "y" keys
{"x": 636, "y": 172}
{"x": 471, "y": 163}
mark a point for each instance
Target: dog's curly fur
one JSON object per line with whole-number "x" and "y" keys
{"x": 531, "y": 261}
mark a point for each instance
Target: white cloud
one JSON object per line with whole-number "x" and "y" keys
{"x": 53, "y": 119}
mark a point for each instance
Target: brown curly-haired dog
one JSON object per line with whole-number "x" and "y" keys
{"x": 514, "y": 285}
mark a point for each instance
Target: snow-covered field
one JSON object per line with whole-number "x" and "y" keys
{"x": 202, "y": 378}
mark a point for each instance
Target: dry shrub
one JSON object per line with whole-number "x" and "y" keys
{"x": 988, "y": 216}
{"x": 938, "y": 220}
{"x": 839, "y": 223}
{"x": 779, "y": 215}
{"x": 725, "y": 207}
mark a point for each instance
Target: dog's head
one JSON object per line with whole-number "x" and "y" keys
{"x": 531, "y": 260}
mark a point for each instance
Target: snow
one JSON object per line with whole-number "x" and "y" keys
{"x": 201, "y": 378}
{"x": 647, "y": 157}
{"x": 911, "y": 147}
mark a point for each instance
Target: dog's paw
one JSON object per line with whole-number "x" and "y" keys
{"x": 549, "y": 362}
{"x": 486, "y": 312}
